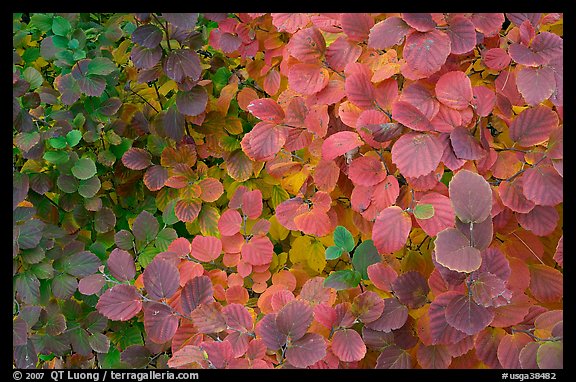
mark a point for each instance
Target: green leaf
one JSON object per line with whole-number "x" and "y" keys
{"x": 333, "y": 252}
{"x": 56, "y": 157}
{"x": 33, "y": 77}
{"x": 343, "y": 239}
{"x": 365, "y": 255}
{"x": 41, "y": 21}
{"x": 89, "y": 187}
{"x": 164, "y": 238}
{"x": 344, "y": 279}
{"x": 73, "y": 44}
{"x": 424, "y": 211}
{"x": 61, "y": 26}
{"x": 73, "y": 137}
{"x": 84, "y": 168}
{"x": 168, "y": 215}
{"x": 79, "y": 120}
{"x": 101, "y": 66}
{"x": 147, "y": 255}
{"x": 57, "y": 142}
{"x": 110, "y": 360}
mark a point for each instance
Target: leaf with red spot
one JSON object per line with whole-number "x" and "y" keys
{"x": 267, "y": 110}
{"x": 391, "y": 229}
{"x": 205, "y": 248}
{"x": 308, "y": 79}
{"x": 412, "y": 289}
{"x": 356, "y": 25}
{"x": 471, "y": 196}
{"x": 426, "y": 52}
{"x": 340, "y": 143}
{"x": 161, "y": 279}
{"x": 187, "y": 210}
{"x": 387, "y": 33}
{"x": 307, "y": 45}
{"x": 121, "y": 265}
{"x": 348, "y": 346}
{"x": 120, "y": 303}
{"x": 417, "y": 154}
{"x": 410, "y": 116}
{"x": 443, "y": 213}
{"x": 543, "y": 186}
{"x": 307, "y": 350}
{"x": 136, "y": 159}
{"x": 252, "y": 204}
{"x": 422, "y": 22}
{"x": 462, "y": 35}
{"x": 160, "y": 322}
{"x": 453, "y": 250}
{"x": 464, "y": 314}
{"x": 258, "y": 251}
{"x": 454, "y": 90}
{"x": 533, "y": 125}
{"x": 434, "y": 356}
{"x": 264, "y": 141}
{"x": 509, "y": 349}
{"x": 195, "y": 292}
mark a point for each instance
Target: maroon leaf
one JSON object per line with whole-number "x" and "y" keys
{"x": 197, "y": 291}
{"x": 160, "y": 322}
{"x": 393, "y": 317}
{"x": 453, "y": 250}
{"x": 192, "y": 102}
{"x": 120, "y": 303}
{"x": 182, "y": 63}
{"x": 294, "y": 319}
{"x": 161, "y": 279}
{"x": 348, "y": 346}
{"x": 307, "y": 350}
{"x": 121, "y": 265}
{"x": 471, "y": 196}
{"x": 440, "y": 331}
{"x": 465, "y": 315}
{"x": 147, "y": 35}
{"x": 393, "y": 357}
{"x": 91, "y": 284}
{"x": 174, "y": 123}
{"x": 267, "y": 329}
{"x": 412, "y": 289}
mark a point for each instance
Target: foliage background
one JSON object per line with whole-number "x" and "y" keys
{"x": 289, "y": 182}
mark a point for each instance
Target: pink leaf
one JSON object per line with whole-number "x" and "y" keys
{"x": 546, "y": 283}
{"x": 536, "y": 84}
{"x": 391, "y": 229}
{"x": 252, "y": 203}
{"x": 258, "y": 251}
{"x": 410, "y": 116}
{"x": 416, "y": 154}
{"x": 205, "y": 248}
{"x": 453, "y": 250}
{"x": 422, "y": 22}
{"x": 543, "y": 186}
{"x": 294, "y": 319}
{"x": 465, "y": 315}
{"x": 155, "y": 177}
{"x": 465, "y": 145}
{"x": 366, "y": 171}
{"x": 307, "y": 79}
{"x": 387, "y": 33}
{"x": 443, "y": 213}
{"x": 307, "y": 350}
{"x": 512, "y": 196}
{"x": 229, "y": 223}
{"x": 462, "y": 35}
{"x": 341, "y": 53}
{"x": 382, "y": 276}
{"x": 267, "y": 110}
{"x": 340, "y": 143}
{"x": 356, "y": 25}
{"x": 393, "y": 317}
{"x": 509, "y": 349}
{"x": 440, "y": 331}
{"x": 307, "y": 45}
{"x": 360, "y": 90}
{"x": 120, "y": 303}
{"x": 483, "y": 100}
{"x": 496, "y": 59}
{"x": 434, "y": 357}
{"x": 541, "y": 220}
{"x": 238, "y": 318}
{"x": 488, "y": 23}
{"x": 195, "y": 292}
{"x": 121, "y": 265}
{"x": 264, "y": 141}
{"x": 348, "y": 346}
{"x": 211, "y": 189}
{"x": 187, "y": 210}
{"x": 426, "y": 52}
{"x": 471, "y": 196}
{"x": 454, "y": 90}
{"x": 267, "y": 330}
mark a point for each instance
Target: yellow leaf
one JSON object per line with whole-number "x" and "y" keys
{"x": 327, "y": 240}
{"x": 518, "y": 109}
{"x": 233, "y": 125}
{"x": 40, "y": 62}
{"x": 300, "y": 247}
{"x": 316, "y": 258}
{"x": 277, "y": 231}
{"x": 167, "y": 86}
{"x": 121, "y": 54}
{"x": 293, "y": 183}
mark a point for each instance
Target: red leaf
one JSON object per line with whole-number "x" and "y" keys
{"x": 192, "y": 102}
{"x": 264, "y": 141}
{"x": 160, "y": 322}
{"x": 496, "y": 59}
{"x": 258, "y": 251}
{"x": 308, "y": 79}
{"x": 536, "y": 84}
{"x": 136, "y": 159}
{"x": 271, "y": 83}
{"x": 186, "y": 356}
{"x": 509, "y": 349}
{"x": 208, "y": 318}
{"x": 120, "y": 303}
{"x": 161, "y": 279}
{"x": 412, "y": 289}
{"x": 471, "y": 196}
{"x": 267, "y": 110}
{"x": 211, "y": 189}
{"x": 483, "y": 100}
{"x": 486, "y": 288}
{"x": 393, "y": 317}
{"x": 486, "y": 346}
{"x": 382, "y": 276}
{"x": 366, "y": 171}
{"x": 205, "y": 248}
{"x": 465, "y": 145}
{"x": 393, "y": 357}
{"x": 391, "y": 229}
{"x": 453, "y": 250}
{"x": 543, "y": 186}
{"x": 440, "y": 331}
{"x": 340, "y": 143}
{"x": 180, "y": 246}
{"x": 187, "y": 210}
{"x": 454, "y": 90}
{"x": 387, "y": 33}
{"x": 416, "y": 154}
{"x": 294, "y": 319}
{"x": 465, "y": 315}
{"x": 546, "y": 283}
{"x": 219, "y": 353}
{"x": 410, "y": 116}
{"x": 385, "y": 193}
{"x": 326, "y": 175}
{"x": 155, "y": 177}
{"x": 422, "y": 22}
{"x": 356, "y": 25}
{"x": 239, "y": 166}
{"x": 229, "y": 223}
{"x": 267, "y": 330}
{"x": 238, "y": 318}
{"x": 252, "y": 203}
{"x": 541, "y": 220}
{"x": 348, "y": 346}
{"x": 533, "y": 125}
{"x": 121, "y": 265}
{"x": 426, "y": 52}
{"x": 462, "y": 35}
{"x": 433, "y": 357}
{"x": 512, "y": 196}
{"x": 307, "y": 45}
{"x": 368, "y": 306}
{"x": 488, "y": 24}
{"x": 559, "y": 254}
{"x": 196, "y": 291}
{"x": 289, "y": 22}
{"x": 341, "y": 53}
{"x": 443, "y": 213}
